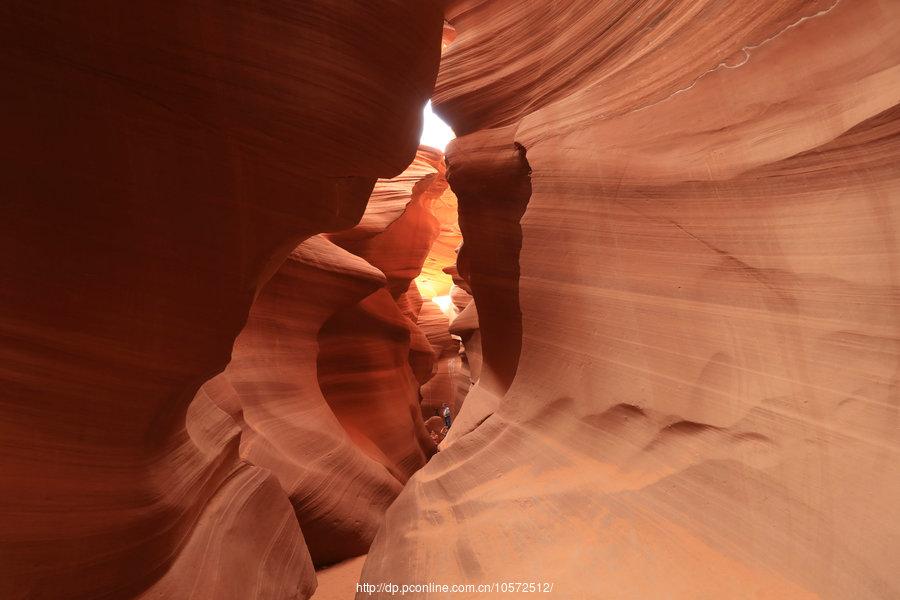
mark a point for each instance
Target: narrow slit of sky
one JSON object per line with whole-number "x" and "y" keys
{"x": 435, "y": 132}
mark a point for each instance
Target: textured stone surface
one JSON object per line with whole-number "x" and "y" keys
{"x": 489, "y": 175}
{"x": 398, "y": 228}
{"x": 440, "y": 388}
{"x": 433, "y": 281}
{"x": 159, "y": 162}
{"x": 466, "y": 327}
{"x": 325, "y": 376}
{"x": 339, "y": 581}
{"x": 409, "y": 232}
{"x": 706, "y": 399}
{"x": 339, "y": 473}
{"x": 680, "y": 221}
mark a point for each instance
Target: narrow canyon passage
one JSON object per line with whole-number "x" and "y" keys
{"x": 342, "y": 360}
{"x": 652, "y": 282}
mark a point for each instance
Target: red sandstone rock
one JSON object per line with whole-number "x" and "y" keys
{"x": 409, "y": 223}
{"x": 433, "y": 280}
{"x": 159, "y": 163}
{"x": 339, "y": 471}
{"x": 440, "y": 388}
{"x": 396, "y": 234}
{"x": 366, "y": 376}
{"x": 398, "y": 228}
{"x": 422, "y": 357}
{"x": 237, "y": 547}
{"x": 490, "y": 178}
{"x": 466, "y": 327}
{"x": 323, "y": 383}
{"x": 680, "y": 234}
{"x": 705, "y": 403}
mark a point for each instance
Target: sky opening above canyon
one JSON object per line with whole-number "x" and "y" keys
{"x": 435, "y": 132}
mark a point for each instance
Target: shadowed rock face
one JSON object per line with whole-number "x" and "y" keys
{"x": 374, "y": 357}
{"x": 706, "y": 398}
{"x": 680, "y": 223}
{"x": 490, "y": 176}
{"x": 440, "y": 388}
{"x": 322, "y": 378}
{"x": 366, "y": 377}
{"x": 159, "y": 162}
{"x": 338, "y": 486}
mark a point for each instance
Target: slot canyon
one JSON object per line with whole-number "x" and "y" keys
{"x": 634, "y": 333}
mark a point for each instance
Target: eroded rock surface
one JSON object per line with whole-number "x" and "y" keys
{"x": 159, "y": 164}
{"x": 324, "y": 379}
{"x": 706, "y": 399}
{"x": 680, "y": 222}
{"x": 338, "y": 478}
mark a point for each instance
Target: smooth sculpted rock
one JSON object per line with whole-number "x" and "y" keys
{"x": 159, "y": 163}
{"x": 440, "y": 389}
{"x": 706, "y": 399}
{"x": 398, "y": 228}
{"x": 366, "y": 376}
{"x": 375, "y": 356}
{"x": 339, "y": 473}
{"x": 465, "y": 327}
{"x": 490, "y": 176}
{"x": 324, "y": 378}
{"x": 433, "y": 280}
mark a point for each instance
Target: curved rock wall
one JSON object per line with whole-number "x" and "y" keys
{"x": 339, "y": 482}
{"x": 366, "y": 377}
{"x": 398, "y": 229}
{"x": 490, "y": 176}
{"x": 706, "y": 398}
{"x": 440, "y": 389}
{"x": 680, "y": 221}
{"x": 397, "y": 234}
{"x": 159, "y": 162}
{"x": 322, "y": 377}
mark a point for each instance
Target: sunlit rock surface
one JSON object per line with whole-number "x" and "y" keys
{"x": 159, "y": 163}
{"x": 439, "y": 390}
{"x": 705, "y": 403}
{"x": 433, "y": 281}
{"x": 398, "y": 228}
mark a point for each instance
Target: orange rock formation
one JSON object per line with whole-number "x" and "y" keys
{"x": 232, "y": 298}
{"x": 705, "y": 403}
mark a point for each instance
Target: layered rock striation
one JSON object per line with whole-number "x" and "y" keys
{"x": 338, "y": 480}
{"x": 324, "y": 378}
{"x": 705, "y": 402}
{"x": 160, "y": 162}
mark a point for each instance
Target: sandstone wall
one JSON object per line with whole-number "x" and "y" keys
{"x": 705, "y": 403}
{"x": 160, "y": 160}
